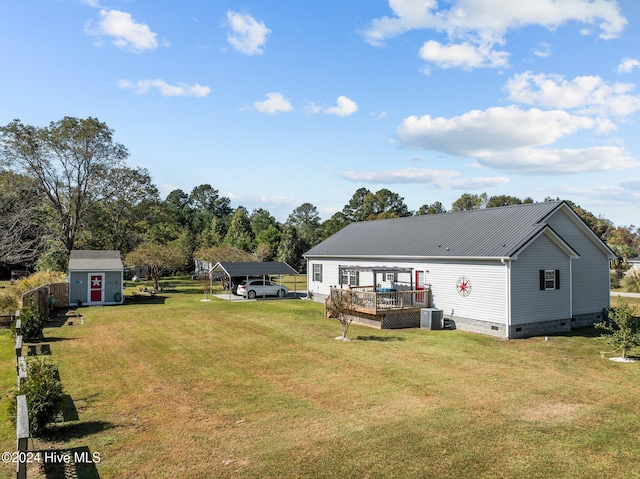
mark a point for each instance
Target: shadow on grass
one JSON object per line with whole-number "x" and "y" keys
{"x": 81, "y": 463}
{"x": 378, "y": 338}
{"x": 69, "y": 411}
{"x": 39, "y": 350}
{"x": 65, "y": 432}
{"x": 144, "y": 299}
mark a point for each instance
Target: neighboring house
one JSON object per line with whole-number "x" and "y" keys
{"x": 634, "y": 263}
{"x": 95, "y": 278}
{"x": 513, "y": 271}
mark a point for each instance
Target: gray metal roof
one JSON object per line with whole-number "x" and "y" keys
{"x": 254, "y": 268}
{"x": 486, "y": 233}
{"x": 95, "y": 260}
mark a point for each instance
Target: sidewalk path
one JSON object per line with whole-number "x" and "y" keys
{"x": 625, "y": 294}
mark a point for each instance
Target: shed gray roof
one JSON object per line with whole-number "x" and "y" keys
{"x": 486, "y": 233}
{"x": 95, "y": 260}
{"x": 254, "y": 268}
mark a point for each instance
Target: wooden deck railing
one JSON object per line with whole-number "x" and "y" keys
{"x": 366, "y": 300}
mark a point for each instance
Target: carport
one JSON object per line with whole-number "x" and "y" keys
{"x": 249, "y": 269}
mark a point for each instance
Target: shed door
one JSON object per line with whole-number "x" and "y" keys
{"x": 96, "y": 287}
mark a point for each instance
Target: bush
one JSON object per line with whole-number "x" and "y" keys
{"x": 33, "y": 322}
{"x": 614, "y": 279}
{"x": 40, "y": 279}
{"x": 631, "y": 281}
{"x": 44, "y": 393}
{"x": 9, "y": 302}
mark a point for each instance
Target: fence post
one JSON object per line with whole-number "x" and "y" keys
{"x": 22, "y": 436}
{"x": 18, "y": 346}
{"x": 22, "y": 371}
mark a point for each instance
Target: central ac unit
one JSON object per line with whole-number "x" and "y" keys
{"x": 431, "y": 318}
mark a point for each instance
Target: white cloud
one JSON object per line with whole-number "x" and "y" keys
{"x": 124, "y": 31}
{"x": 475, "y": 27}
{"x": 181, "y": 89}
{"x": 543, "y": 50}
{"x": 541, "y": 161}
{"x": 627, "y": 65}
{"x": 247, "y": 35}
{"x": 463, "y": 55}
{"x": 312, "y": 108}
{"x": 344, "y": 107}
{"x": 511, "y": 139}
{"x": 498, "y": 128}
{"x": 495, "y": 16}
{"x": 445, "y": 179}
{"x": 274, "y": 103}
{"x": 587, "y": 94}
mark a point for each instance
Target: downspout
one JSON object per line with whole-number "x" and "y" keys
{"x": 571, "y": 287}
{"x": 507, "y": 263}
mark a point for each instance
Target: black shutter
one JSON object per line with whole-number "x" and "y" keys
{"x": 557, "y": 279}
{"x": 542, "y": 288}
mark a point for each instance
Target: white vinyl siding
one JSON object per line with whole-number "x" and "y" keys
{"x": 590, "y": 272}
{"x": 529, "y": 302}
{"x": 487, "y": 300}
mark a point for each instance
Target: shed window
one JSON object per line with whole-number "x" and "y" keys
{"x": 317, "y": 273}
{"x": 549, "y": 279}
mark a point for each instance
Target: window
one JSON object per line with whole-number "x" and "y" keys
{"x": 349, "y": 278}
{"x": 549, "y": 279}
{"x": 391, "y": 277}
{"x": 317, "y": 273}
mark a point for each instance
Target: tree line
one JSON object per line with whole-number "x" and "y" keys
{"x": 67, "y": 186}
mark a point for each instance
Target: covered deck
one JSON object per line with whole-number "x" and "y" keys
{"x": 377, "y": 302}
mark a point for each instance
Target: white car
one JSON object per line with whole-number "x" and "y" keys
{"x": 258, "y": 287}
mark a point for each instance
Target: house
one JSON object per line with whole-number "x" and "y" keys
{"x": 513, "y": 271}
{"x": 95, "y": 278}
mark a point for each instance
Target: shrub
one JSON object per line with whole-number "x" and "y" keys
{"x": 623, "y": 327}
{"x": 44, "y": 393}
{"x": 614, "y": 279}
{"x": 40, "y": 279}
{"x": 9, "y": 302}
{"x": 631, "y": 281}
{"x": 33, "y": 322}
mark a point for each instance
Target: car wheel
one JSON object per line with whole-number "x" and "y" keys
{"x": 281, "y": 293}
{"x": 251, "y": 294}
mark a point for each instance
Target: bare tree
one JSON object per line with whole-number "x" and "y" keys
{"x": 21, "y": 238}
{"x": 339, "y": 305}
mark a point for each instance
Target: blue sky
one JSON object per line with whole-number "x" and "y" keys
{"x": 278, "y": 103}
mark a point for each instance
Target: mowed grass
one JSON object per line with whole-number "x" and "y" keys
{"x": 177, "y": 387}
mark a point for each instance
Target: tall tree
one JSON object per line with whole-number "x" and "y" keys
{"x": 71, "y": 160}
{"x": 306, "y": 220}
{"x": 239, "y": 234}
{"x": 121, "y": 220}
{"x": 206, "y": 203}
{"x": 21, "y": 236}
{"x": 291, "y": 249}
{"x": 469, "y": 201}
{"x": 366, "y": 206}
{"x": 432, "y": 209}
{"x": 506, "y": 200}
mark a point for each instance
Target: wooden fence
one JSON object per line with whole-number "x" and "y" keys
{"x": 40, "y": 296}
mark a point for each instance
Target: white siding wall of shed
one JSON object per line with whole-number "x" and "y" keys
{"x": 590, "y": 272}
{"x": 528, "y": 303}
{"x": 487, "y": 301}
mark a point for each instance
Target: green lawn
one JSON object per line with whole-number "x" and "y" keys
{"x": 177, "y": 387}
